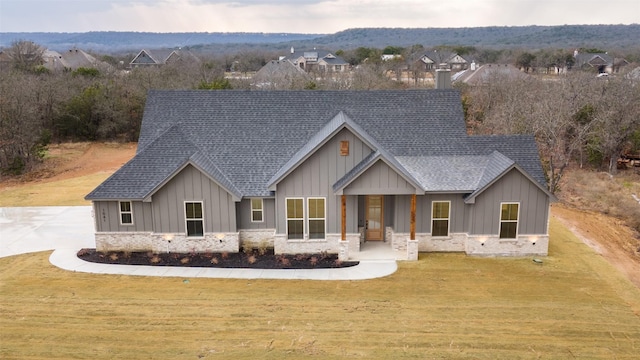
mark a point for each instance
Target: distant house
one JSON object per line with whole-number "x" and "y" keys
{"x": 72, "y": 59}
{"x": 313, "y": 171}
{"x": 483, "y": 75}
{"x": 161, "y": 57}
{"x": 602, "y": 62}
{"x": 280, "y": 74}
{"x": 438, "y": 59}
{"x": 317, "y": 60}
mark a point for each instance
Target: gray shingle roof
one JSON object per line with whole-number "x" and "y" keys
{"x": 248, "y": 137}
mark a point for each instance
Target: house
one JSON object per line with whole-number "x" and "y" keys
{"x": 314, "y": 171}
{"x": 485, "y": 74}
{"x": 280, "y": 75}
{"x": 72, "y": 59}
{"x": 602, "y": 62}
{"x": 316, "y": 60}
{"x": 160, "y": 57}
{"x": 442, "y": 59}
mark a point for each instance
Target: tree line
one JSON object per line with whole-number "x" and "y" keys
{"x": 576, "y": 117}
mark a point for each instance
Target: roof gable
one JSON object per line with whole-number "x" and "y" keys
{"x": 339, "y": 122}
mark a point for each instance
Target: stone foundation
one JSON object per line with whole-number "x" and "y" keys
{"x": 257, "y": 238}
{"x": 491, "y": 245}
{"x": 331, "y": 244}
{"x": 479, "y": 245}
{"x": 451, "y": 243}
{"x": 124, "y": 241}
{"x": 163, "y": 243}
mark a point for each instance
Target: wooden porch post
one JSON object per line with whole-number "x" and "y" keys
{"x": 412, "y": 225}
{"x": 344, "y": 218}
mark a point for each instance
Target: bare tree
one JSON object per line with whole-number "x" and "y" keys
{"x": 25, "y": 55}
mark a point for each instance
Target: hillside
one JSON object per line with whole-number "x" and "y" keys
{"x": 563, "y": 36}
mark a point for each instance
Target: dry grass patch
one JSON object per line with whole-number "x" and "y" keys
{"x": 443, "y": 306}
{"x": 69, "y": 172}
{"x": 601, "y": 192}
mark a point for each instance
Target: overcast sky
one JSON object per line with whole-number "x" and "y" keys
{"x": 302, "y": 16}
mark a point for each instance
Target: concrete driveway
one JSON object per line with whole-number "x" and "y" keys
{"x": 32, "y": 229}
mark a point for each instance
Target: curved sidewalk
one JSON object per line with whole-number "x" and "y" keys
{"x": 66, "y": 229}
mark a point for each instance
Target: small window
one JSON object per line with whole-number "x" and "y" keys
{"x": 295, "y": 218}
{"x": 509, "y": 220}
{"x": 344, "y": 148}
{"x": 440, "y": 218}
{"x": 317, "y": 218}
{"x": 126, "y": 214}
{"x": 256, "y": 210}
{"x": 194, "y": 218}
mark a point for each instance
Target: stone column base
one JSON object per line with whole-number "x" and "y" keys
{"x": 343, "y": 250}
{"x": 412, "y": 250}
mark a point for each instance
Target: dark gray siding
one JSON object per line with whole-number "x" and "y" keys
{"x": 192, "y": 185}
{"x": 107, "y": 216}
{"x": 379, "y": 179}
{"x": 512, "y": 187}
{"x": 243, "y": 214}
{"x": 316, "y": 176}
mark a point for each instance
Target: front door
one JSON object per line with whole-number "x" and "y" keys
{"x": 374, "y": 223}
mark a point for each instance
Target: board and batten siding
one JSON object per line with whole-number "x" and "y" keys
{"x": 107, "y": 217}
{"x": 192, "y": 185}
{"x": 243, "y": 215}
{"x": 512, "y": 187}
{"x": 379, "y": 179}
{"x": 402, "y": 219}
{"x": 316, "y": 176}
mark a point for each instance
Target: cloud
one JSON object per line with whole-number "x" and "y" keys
{"x": 301, "y": 16}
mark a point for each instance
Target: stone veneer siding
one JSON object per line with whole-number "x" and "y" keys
{"x": 163, "y": 243}
{"x": 479, "y": 245}
{"x": 492, "y": 245}
{"x": 256, "y": 238}
{"x": 331, "y": 244}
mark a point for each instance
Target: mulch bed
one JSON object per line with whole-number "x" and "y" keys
{"x": 253, "y": 259}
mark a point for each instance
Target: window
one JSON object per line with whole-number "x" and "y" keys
{"x": 256, "y": 210}
{"x": 194, "y": 218}
{"x": 440, "y": 218}
{"x": 126, "y": 214}
{"x": 295, "y": 218}
{"x": 508, "y": 220}
{"x": 316, "y": 218}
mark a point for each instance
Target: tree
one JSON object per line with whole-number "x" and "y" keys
{"x": 617, "y": 118}
{"x": 25, "y": 55}
{"x": 23, "y": 140}
{"x": 525, "y": 61}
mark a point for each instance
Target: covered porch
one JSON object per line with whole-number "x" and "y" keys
{"x": 376, "y": 219}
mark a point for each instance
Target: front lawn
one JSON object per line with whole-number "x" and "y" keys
{"x": 573, "y": 305}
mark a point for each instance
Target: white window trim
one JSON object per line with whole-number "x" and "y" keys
{"x": 287, "y": 218}
{"x": 517, "y": 221}
{"x": 261, "y": 210}
{"x": 120, "y": 213}
{"x": 323, "y": 218}
{"x": 186, "y": 231}
{"x": 448, "y": 218}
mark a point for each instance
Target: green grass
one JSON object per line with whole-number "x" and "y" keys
{"x": 68, "y": 192}
{"x": 574, "y": 305}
